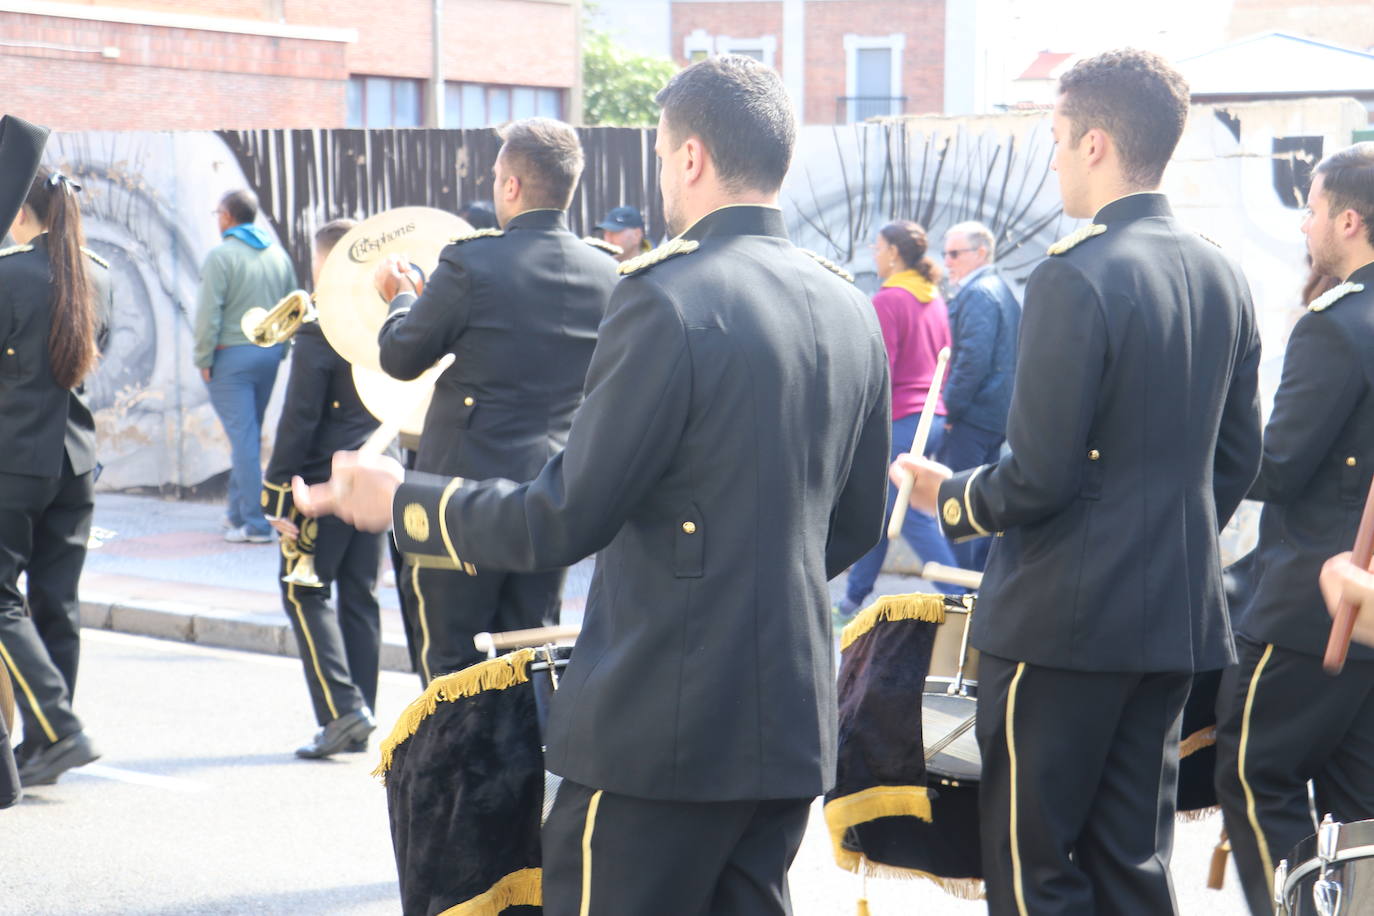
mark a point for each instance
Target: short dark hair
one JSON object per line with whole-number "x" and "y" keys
{"x": 911, "y": 243}
{"x": 547, "y": 158}
{"x": 242, "y": 206}
{"x": 1137, "y": 99}
{"x": 739, "y": 109}
{"x": 1348, "y": 179}
{"x": 328, "y": 235}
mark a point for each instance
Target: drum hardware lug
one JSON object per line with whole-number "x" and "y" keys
{"x": 548, "y": 657}
{"x": 1280, "y": 882}
{"x": 1326, "y": 892}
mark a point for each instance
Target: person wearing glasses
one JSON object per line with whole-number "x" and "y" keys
{"x": 984, "y": 320}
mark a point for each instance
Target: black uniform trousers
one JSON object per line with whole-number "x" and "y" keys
{"x": 1281, "y": 720}
{"x": 450, "y": 607}
{"x": 1076, "y": 803}
{"x": 45, "y": 523}
{"x": 339, "y": 650}
{"x": 615, "y": 855}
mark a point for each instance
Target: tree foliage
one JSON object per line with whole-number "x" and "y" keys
{"x": 618, "y": 85}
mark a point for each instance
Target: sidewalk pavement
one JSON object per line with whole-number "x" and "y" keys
{"x": 163, "y": 568}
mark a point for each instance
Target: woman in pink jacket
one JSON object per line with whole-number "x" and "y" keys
{"x": 915, "y": 327}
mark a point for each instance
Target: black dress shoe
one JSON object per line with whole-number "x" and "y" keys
{"x": 357, "y": 747}
{"x": 42, "y": 766}
{"x": 339, "y": 734}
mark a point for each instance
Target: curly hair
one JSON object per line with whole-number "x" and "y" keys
{"x": 910, "y": 241}
{"x": 1137, "y": 99}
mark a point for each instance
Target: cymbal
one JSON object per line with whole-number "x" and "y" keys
{"x": 351, "y": 311}
{"x": 380, "y": 394}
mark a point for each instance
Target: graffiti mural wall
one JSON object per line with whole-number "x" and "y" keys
{"x": 1239, "y": 176}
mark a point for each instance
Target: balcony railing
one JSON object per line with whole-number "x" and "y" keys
{"x": 849, "y": 109}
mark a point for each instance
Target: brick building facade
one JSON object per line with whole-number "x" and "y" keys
{"x": 843, "y": 60}
{"x": 207, "y": 64}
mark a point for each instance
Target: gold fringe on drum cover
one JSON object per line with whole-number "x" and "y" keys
{"x": 493, "y": 674}
{"x": 930, "y": 608}
{"x": 521, "y": 888}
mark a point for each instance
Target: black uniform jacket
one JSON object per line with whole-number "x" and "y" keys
{"x": 39, "y": 419}
{"x": 520, "y": 311}
{"x": 320, "y": 415}
{"x": 1135, "y": 433}
{"x": 729, "y": 458}
{"x": 1318, "y": 460}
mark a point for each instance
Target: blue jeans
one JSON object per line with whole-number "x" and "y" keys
{"x": 240, "y": 384}
{"x": 921, "y": 531}
{"x": 969, "y": 447}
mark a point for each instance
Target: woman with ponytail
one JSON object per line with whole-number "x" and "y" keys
{"x": 915, "y": 327}
{"x": 54, "y": 295}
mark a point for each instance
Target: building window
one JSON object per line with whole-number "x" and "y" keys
{"x": 700, "y": 45}
{"x": 383, "y": 101}
{"x": 480, "y": 105}
{"x": 873, "y": 77}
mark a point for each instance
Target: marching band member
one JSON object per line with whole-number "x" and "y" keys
{"x": 1281, "y": 719}
{"x": 1134, "y": 433}
{"x": 321, "y": 415}
{"x": 519, "y": 306}
{"x": 728, "y": 459}
{"x": 54, "y": 303}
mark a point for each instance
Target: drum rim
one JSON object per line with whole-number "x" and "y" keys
{"x": 1314, "y": 864}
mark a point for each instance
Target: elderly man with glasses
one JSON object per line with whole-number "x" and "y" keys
{"x": 984, "y": 318}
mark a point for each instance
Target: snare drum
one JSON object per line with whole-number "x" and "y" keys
{"x": 1329, "y": 874}
{"x": 951, "y": 643}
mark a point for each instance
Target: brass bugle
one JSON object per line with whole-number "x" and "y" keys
{"x": 269, "y": 328}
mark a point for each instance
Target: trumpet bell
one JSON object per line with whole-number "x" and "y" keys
{"x": 267, "y": 329}
{"x": 350, "y": 310}
{"x": 303, "y": 573}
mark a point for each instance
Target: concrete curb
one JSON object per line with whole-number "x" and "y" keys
{"x": 264, "y": 632}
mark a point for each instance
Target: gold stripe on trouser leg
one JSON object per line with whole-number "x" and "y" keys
{"x": 28, "y": 692}
{"x": 587, "y": 853}
{"x": 424, "y": 623}
{"x": 1266, "y": 860}
{"x": 1016, "y": 877}
{"x": 310, "y": 644}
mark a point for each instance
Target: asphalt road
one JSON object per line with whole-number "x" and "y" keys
{"x": 199, "y": 807}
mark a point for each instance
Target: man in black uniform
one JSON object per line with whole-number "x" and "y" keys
{"x": 728, "y": 459}
{"x": 320, "y": 416}
{"x": 519, "y": 308}
{"x": 1134, "y": 433}
{"x": 1281, "y": 720}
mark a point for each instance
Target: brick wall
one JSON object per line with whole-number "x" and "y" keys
{"x": 923, "y": 59}
{"x": 737, "y": 20}
{"x": 168, "y": 79}
{"x": 268, "y": 10}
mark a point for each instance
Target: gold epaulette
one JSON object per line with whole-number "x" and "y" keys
{"x": 475, "y": 234}
{"x": 1322, "y": 302}
{"x": 658, "y": 255}
{"x": 15, "y": 249}
{"x": 1075, "y": 238}
{"x": 828, "y": 264}
{"x": 613, "y": 250}
{"x": 95, "y": 257}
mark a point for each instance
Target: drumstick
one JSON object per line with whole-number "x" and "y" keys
{"x": 918, "y": 444}
{"x": 938, "y": 572}
{"x": 1343, "y": 626}
{"x": 518, "y": 639}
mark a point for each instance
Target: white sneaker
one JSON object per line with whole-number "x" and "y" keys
{"x": 242, "y": 535}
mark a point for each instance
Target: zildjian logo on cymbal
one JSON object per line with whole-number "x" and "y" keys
{"x": 366, "y": 249}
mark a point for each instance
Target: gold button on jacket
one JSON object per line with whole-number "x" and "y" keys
{"x": 689, "y": 528}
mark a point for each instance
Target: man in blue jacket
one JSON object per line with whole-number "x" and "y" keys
{"x": 984, "y": 318}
